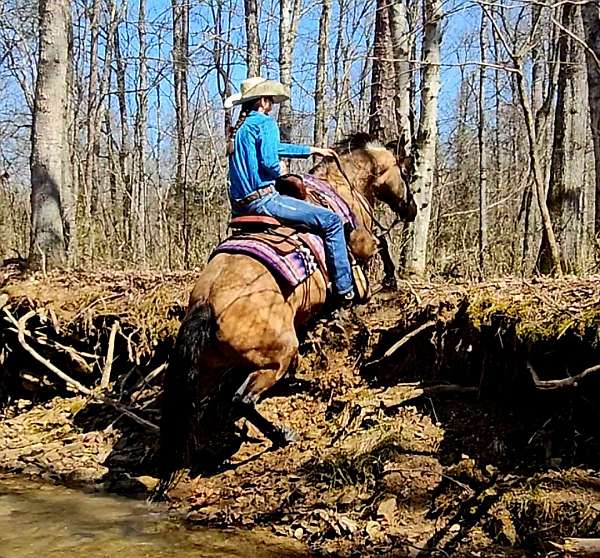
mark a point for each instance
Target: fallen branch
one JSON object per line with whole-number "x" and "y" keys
{"x": 109, "y": 356}
{"x": 587, "y": 548}
{"x": 145, "y": 381}
{"x": 396, "y": 346}
{"x": 442, "y": 389}
{"x": 20, "y": 325}
{"x": 571, "y": 381}
{"x": 76, "y": 356}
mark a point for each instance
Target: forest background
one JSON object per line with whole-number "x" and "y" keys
{"x": 120, "y": 128}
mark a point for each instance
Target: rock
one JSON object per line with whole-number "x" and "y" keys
{"x": 148, "y": 481}
{"x": 387, "y": 508}
{"x": 373, "y": 529}
{"x": 347, "y": 525}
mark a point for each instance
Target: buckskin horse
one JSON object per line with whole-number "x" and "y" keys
{"x": 239, "y": 337}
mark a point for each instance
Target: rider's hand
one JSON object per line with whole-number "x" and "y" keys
{"x": 322, "y": 151}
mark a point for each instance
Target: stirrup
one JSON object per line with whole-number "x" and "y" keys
{"x": 362, "y": 288}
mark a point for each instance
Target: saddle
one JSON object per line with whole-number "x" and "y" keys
{"x": 292, "y": 255}
{"x": 253, "y": 222}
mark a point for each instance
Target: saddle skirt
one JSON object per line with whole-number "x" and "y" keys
{"x": 292, "y": 256}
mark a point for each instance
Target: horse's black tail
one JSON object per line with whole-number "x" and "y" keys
{"x": 182, "y": 400}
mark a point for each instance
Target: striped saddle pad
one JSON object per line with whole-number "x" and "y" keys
{"x": 290, "y": 255}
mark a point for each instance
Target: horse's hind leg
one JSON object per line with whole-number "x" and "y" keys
{"x": 255, "y": 385}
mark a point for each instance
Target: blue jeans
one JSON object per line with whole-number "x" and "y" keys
{"x": 323, "y": 222}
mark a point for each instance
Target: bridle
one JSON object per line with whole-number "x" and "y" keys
{"x": 383, "y": 231}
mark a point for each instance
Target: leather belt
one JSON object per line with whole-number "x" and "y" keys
{"x": 256, "y": 195}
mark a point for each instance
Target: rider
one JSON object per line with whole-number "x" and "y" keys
{"x": 254, "y": 148}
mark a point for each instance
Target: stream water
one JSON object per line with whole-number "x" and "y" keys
{"x": 46, "y": 521}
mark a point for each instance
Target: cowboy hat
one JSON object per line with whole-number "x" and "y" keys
{"x": 255, "y": 88}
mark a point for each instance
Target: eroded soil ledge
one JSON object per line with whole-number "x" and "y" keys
{"x": 427, "y": 421}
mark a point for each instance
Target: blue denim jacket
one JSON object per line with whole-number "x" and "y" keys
{"x": 254, "y": 163}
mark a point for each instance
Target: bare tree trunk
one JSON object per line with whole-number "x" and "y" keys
{"x": 340, "y": 57}
{"x": 591, "y": 22}
{"x": 48, "y": 163}
{"x": 124, "y": 152}
{"x": 89, "y": 180}
{"x": 252, "y": 38}
{"x": 321, "y": 77}
{"x": 222, "y": 58}
{"x": 141, "y": 121}
{"x": 381, "y": 109}
{"x": 181, "y": 16}
{"x": 568, "y": 153}
{"x": 426, "y": 139}
{"x": 68, "y": 197}
{"x": 537, "y": 54}
{"x": 483, "y": 151}
{"x": 536, "y": 167}
{"x": 288, "y": 18}
{"x": 398, "y": 18}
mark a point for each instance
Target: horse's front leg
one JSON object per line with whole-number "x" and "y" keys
{"x": 389, "y": 269}
{"x": 248, "y": 395}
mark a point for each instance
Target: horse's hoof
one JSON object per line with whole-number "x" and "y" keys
{"x": 284, "y": 436}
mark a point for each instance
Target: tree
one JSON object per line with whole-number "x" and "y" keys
{"x": 181, "y": 23}
{"x": 48, "y": 164}
{"x": 321, "y": 77}
{"x": 565, "y": 192}
{"x": 139, "y": 138}
{"x": 590, "y": 12}
{"x": 288, "y": 20}
{"x": 400, "y": 31}
{"x": 252, "y": 38}
{"x": 381, "y": 108}
{"x": 426, "y": 140}
{"x": 483, "y": 150}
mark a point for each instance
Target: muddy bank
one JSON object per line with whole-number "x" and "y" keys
{"x": 425, "y": 421}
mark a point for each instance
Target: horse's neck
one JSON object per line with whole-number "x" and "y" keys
{"x": 351, "y": 187}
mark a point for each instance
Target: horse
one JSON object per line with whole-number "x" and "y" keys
{"x": 239, "y": 334}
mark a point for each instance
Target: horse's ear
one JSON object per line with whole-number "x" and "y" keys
{"x": 404, "y": 160}
{"x": 398, "y": 148}
{"x": 407, "y": 165}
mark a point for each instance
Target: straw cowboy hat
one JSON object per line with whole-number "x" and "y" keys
{"x": 255, "y": 88}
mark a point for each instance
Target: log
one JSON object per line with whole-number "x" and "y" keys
{"x": 576, "y": 547}
{"x": 109, "y": 356}
{"x": 571, "y": 381}
{"x": 21, "y": 325}
{"x": 402, "y": 342}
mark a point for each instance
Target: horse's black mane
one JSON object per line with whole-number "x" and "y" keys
{"x": 359, "y": 140}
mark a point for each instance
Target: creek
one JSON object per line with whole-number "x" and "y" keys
{"x": 46, "y": 521}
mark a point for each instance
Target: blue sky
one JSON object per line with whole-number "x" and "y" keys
{"x": 463, "y": 18}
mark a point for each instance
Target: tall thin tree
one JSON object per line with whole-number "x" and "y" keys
{"x": 181, "y": 18}
{"x": 483, "y": 148}
{"x": 400, "y": 32}
{"x": 381, "y": 108}
{"x": 252, "y": 38}
{"x": 426, "y": 140}
{"x": 288, "y": 20}
{"x": 321, "y": 76}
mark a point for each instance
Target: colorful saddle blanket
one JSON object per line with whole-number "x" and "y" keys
{"x": 290, "y": 255}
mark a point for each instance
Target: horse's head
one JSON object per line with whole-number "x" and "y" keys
{"x": 380, "y": 172}
{"x": 391, "y": 185}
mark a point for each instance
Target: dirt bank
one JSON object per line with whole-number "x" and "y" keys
{"x": 426, "y": 426}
